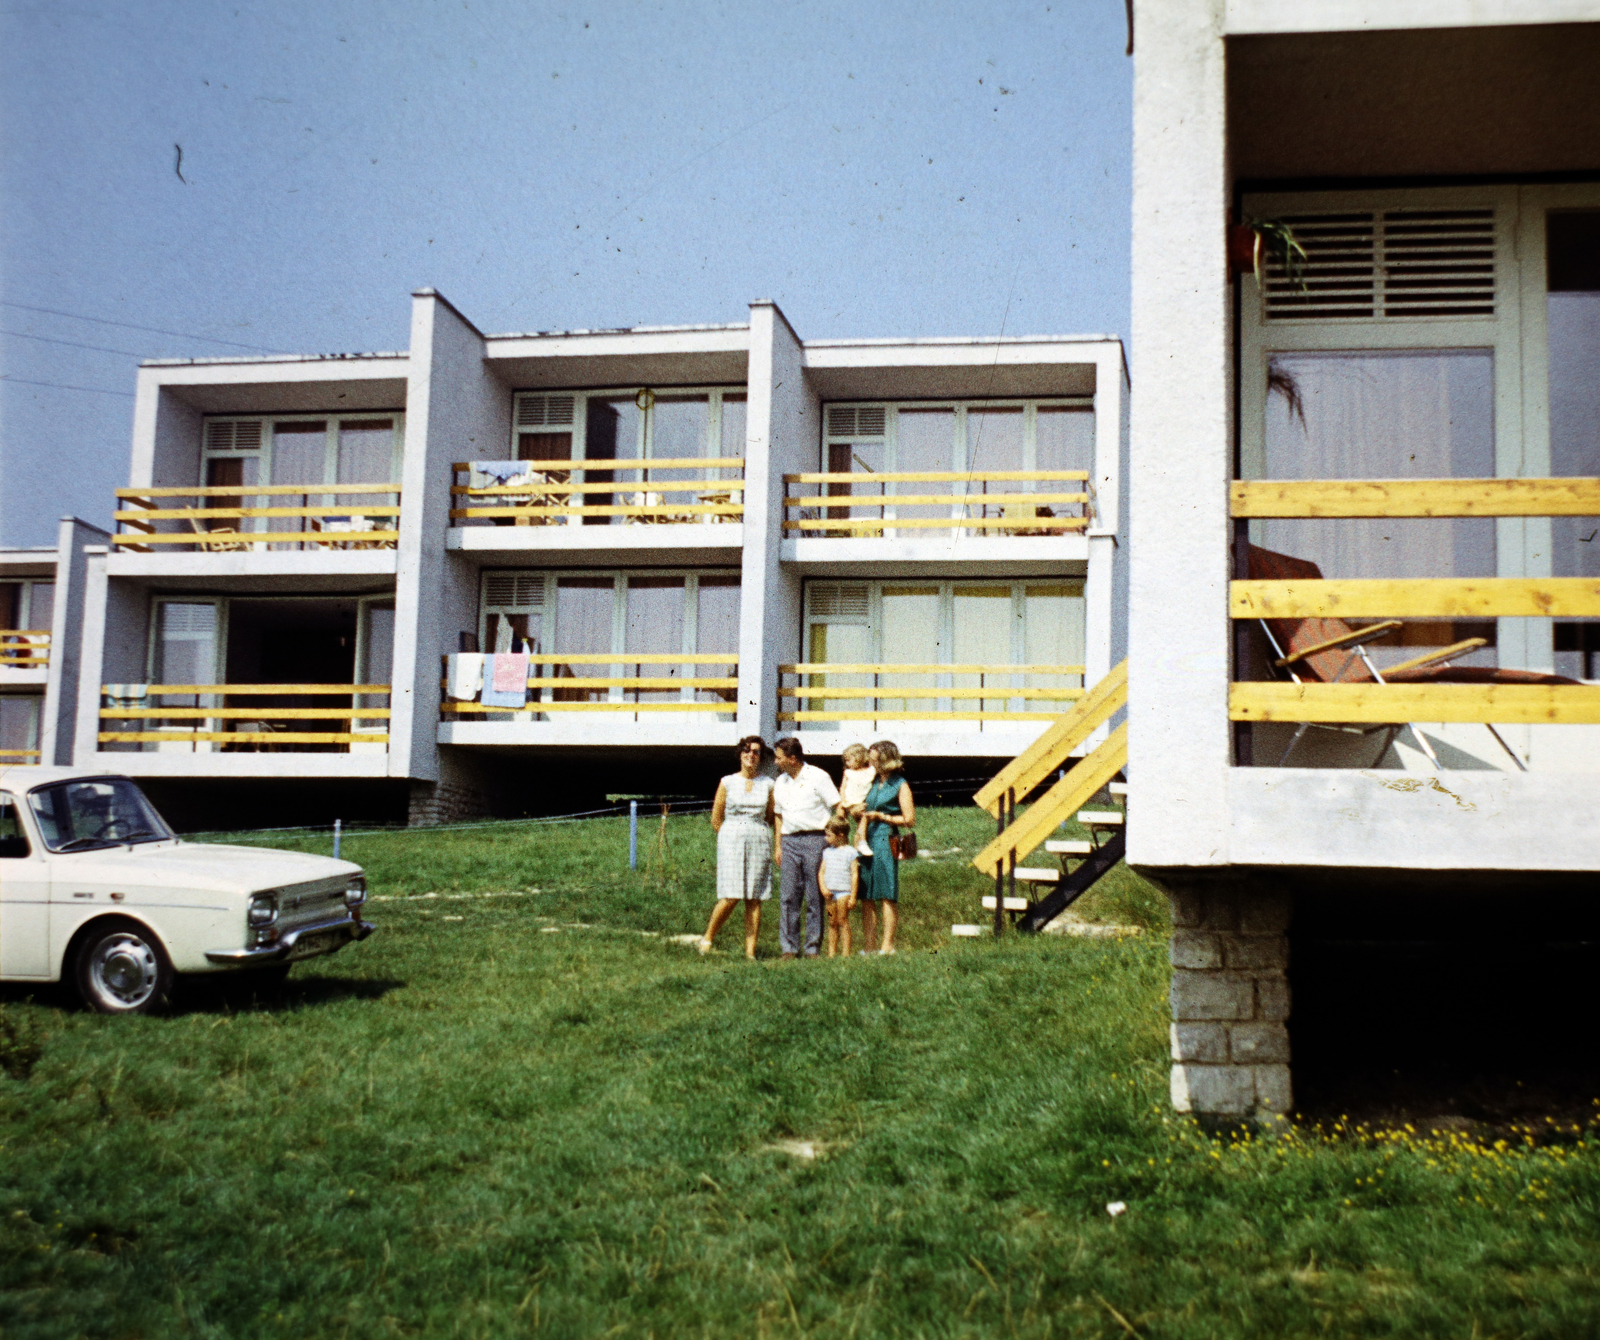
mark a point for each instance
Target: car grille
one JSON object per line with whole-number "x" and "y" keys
{"x": 303, "y": 904}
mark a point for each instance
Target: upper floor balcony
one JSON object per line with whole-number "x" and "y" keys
{"x": 24, "y": 653}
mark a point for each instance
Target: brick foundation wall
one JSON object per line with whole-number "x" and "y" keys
{"x": 1230, "y": 1002}
{"x": 435, "y": 803}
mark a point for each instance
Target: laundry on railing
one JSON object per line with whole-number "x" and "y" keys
{"x": 493, "y": 474}
{"x": 125, "y": 695}
{"x": 506, "y": 680}
{"x": 464, "y": 675}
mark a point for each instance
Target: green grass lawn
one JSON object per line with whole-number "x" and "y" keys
{"x": 536, "y": 1114}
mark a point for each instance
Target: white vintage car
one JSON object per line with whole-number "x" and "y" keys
{"x": 95, "y": 886}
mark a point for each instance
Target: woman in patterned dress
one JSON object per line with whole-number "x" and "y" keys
{"x": 741, "y": 817}
{"x": 889, "y": 809}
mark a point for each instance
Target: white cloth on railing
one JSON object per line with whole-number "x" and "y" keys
{"x": 464, "y": 675}
{"x": 126, "y": 695}
{"x": 492, "y": 474}
{"x": 506, "y": 680}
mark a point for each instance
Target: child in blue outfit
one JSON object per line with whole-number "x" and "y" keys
{"x": 838, "y": 877}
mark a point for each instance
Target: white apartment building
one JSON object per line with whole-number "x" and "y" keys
{"x": 1365, "y": 588}
{"x": 694, "y": 533}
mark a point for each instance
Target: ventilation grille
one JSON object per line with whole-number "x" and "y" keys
{"x": 1394, "y": 265}
{"x": 514, "y": 590}
{"x": 839, "y": 602}
{"x": 233, "y": 435}
{"x": 193, "y": 620}
{"x": 855, "y": 421}
{"x": 538, "y": 411}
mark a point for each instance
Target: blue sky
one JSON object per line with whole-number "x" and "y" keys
{"x": 887, "y": 168}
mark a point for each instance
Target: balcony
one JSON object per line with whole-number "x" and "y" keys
{"x": 688, "y": 502}
{"x": 664, "y": 698}
{"x": 978, "y": 710}
{"x": 203, "y": 722}
{"x": 832, "y": 516}
{"x": 258, "y": 518}
{"x": 24, "y": 655}
{"x": 1356, "y": 697}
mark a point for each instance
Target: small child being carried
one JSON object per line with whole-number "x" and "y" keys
{"x": 838, "y": 877}
{"x": 854, "y": 784}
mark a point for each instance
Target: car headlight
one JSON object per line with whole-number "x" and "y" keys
{"x": 264, "y": 908}
{"x": 355, "y": 891}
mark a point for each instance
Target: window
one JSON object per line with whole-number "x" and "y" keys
{"x": 289, "y": 449}
{"x": 19, "y": 727}
{"x": 13, "y": 837}
{"x": 105, "y": 812}
{"x": 626, "y": 614}
{"x": 637, "y": 425}
{"x": 919, "y": 625}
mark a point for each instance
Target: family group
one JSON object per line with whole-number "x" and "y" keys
{"x": 801, "y": 821}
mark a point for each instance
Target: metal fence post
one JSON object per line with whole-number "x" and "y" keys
{"x": 336, "y": 836}
{"x": 633, "y": 835}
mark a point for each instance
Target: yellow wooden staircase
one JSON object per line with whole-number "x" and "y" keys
{"x": 1020, "y": 836}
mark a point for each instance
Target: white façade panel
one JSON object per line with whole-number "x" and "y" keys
{"x": 1413, "y": 821}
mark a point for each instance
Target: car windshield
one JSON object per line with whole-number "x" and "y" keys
{"x": 103, "y": 812}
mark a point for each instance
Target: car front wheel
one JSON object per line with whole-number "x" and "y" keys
{"x": 122, "y": 969}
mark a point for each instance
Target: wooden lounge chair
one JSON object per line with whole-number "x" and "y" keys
{"x": 1331, "y": 651}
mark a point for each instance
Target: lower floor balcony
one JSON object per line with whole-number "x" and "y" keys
{"x": 590, "y": 698}
{"x": 20, "y": 720}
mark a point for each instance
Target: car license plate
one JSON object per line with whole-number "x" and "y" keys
{"x": 309, "y": 946}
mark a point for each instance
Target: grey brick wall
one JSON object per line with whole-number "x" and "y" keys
{"x": 1230, "y": 1002}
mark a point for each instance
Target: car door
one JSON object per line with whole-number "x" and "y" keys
{"x": 24, "y": 897}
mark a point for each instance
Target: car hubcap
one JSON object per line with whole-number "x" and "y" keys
{"x": 124, "y": 971}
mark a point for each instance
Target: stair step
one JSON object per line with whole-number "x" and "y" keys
{"x": 1012, "y": 904}
{"x": 1101, "y": 818}
{"x": 1038, "y": 874}
{"x": 1071, "y": 847}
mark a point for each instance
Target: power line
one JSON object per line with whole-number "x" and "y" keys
{"x": 97, "y": 348}
{"x": 128, "y": 325}
{"x": 62, "y": 386}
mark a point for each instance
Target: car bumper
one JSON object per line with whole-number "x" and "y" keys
{"x": 320, "y": 937}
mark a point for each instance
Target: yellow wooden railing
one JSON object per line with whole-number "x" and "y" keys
{"x": 1029, "y": 830}
{"x": 969, "y": 503}
{"x": 321, "y": 519}
{"x": 252, "y": 727}
{"x": 1428, "y": 597}
{"x": 994, "y": 684}
{"x": 24, "y": 648}
{"x": 553, "y": 687}
{"x": 654, "y": 492}
{"x": 19, "y": 755}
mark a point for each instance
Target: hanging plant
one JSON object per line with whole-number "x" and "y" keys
{"x": 1253, "y": 242}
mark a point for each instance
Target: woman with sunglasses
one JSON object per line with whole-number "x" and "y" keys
{"x": 741, "y": 817}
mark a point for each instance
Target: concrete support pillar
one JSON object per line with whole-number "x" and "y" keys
{"x": 1230, "y": 1002}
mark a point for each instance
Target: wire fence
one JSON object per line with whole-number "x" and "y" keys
{"x": 932, "y": 789}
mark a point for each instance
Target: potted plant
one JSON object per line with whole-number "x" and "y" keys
{"x": 1250, "y": 244}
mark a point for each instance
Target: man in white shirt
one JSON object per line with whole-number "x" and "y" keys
{"x": 803, "y": 800}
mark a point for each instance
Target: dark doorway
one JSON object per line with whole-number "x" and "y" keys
{"x": 293, "y": 641}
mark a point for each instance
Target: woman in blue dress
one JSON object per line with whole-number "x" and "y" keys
{"x": 890, "y": 809}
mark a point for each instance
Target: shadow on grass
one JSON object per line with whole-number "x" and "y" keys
{"x": 238, "y": 993}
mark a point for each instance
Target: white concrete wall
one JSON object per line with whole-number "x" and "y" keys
{"x": 1179, "y": 747}
{"x": 453, "y": 404}
{"x": 59, "y": 721}
{"x": 114, "y": 649}
{"x": 784, "y": 424}
{"x": 166, "y": 437}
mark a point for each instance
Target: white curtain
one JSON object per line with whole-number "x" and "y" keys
{"x": 1426, "y": 415}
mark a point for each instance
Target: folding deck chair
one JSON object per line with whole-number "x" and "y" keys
{"x": 1331, "y": 651}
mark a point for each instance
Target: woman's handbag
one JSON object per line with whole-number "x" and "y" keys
{"x": 903, "y": 844}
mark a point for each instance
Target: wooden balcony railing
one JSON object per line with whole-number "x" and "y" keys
{"x": 625, "y": 492}
{"x": 554, "y": 687}
{"x": 19, "y": 756}
{"x": 992, "y": 684}
{"x": 24, "y": 648}
{"x": 252, "y": 728}
{"x": 862, "y": 505}
{"x": 311, "y": 516}
{"x": 1428, "y": 597}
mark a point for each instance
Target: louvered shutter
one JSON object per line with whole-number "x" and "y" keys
{"x": 544, "y": 411}
{"x": 1393, "y": 265}
{"x": 838, "y": 600}
{"x": 513, "y": 591}
{"x": 233, "y": 434}
{"x": 856, "y": 421}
